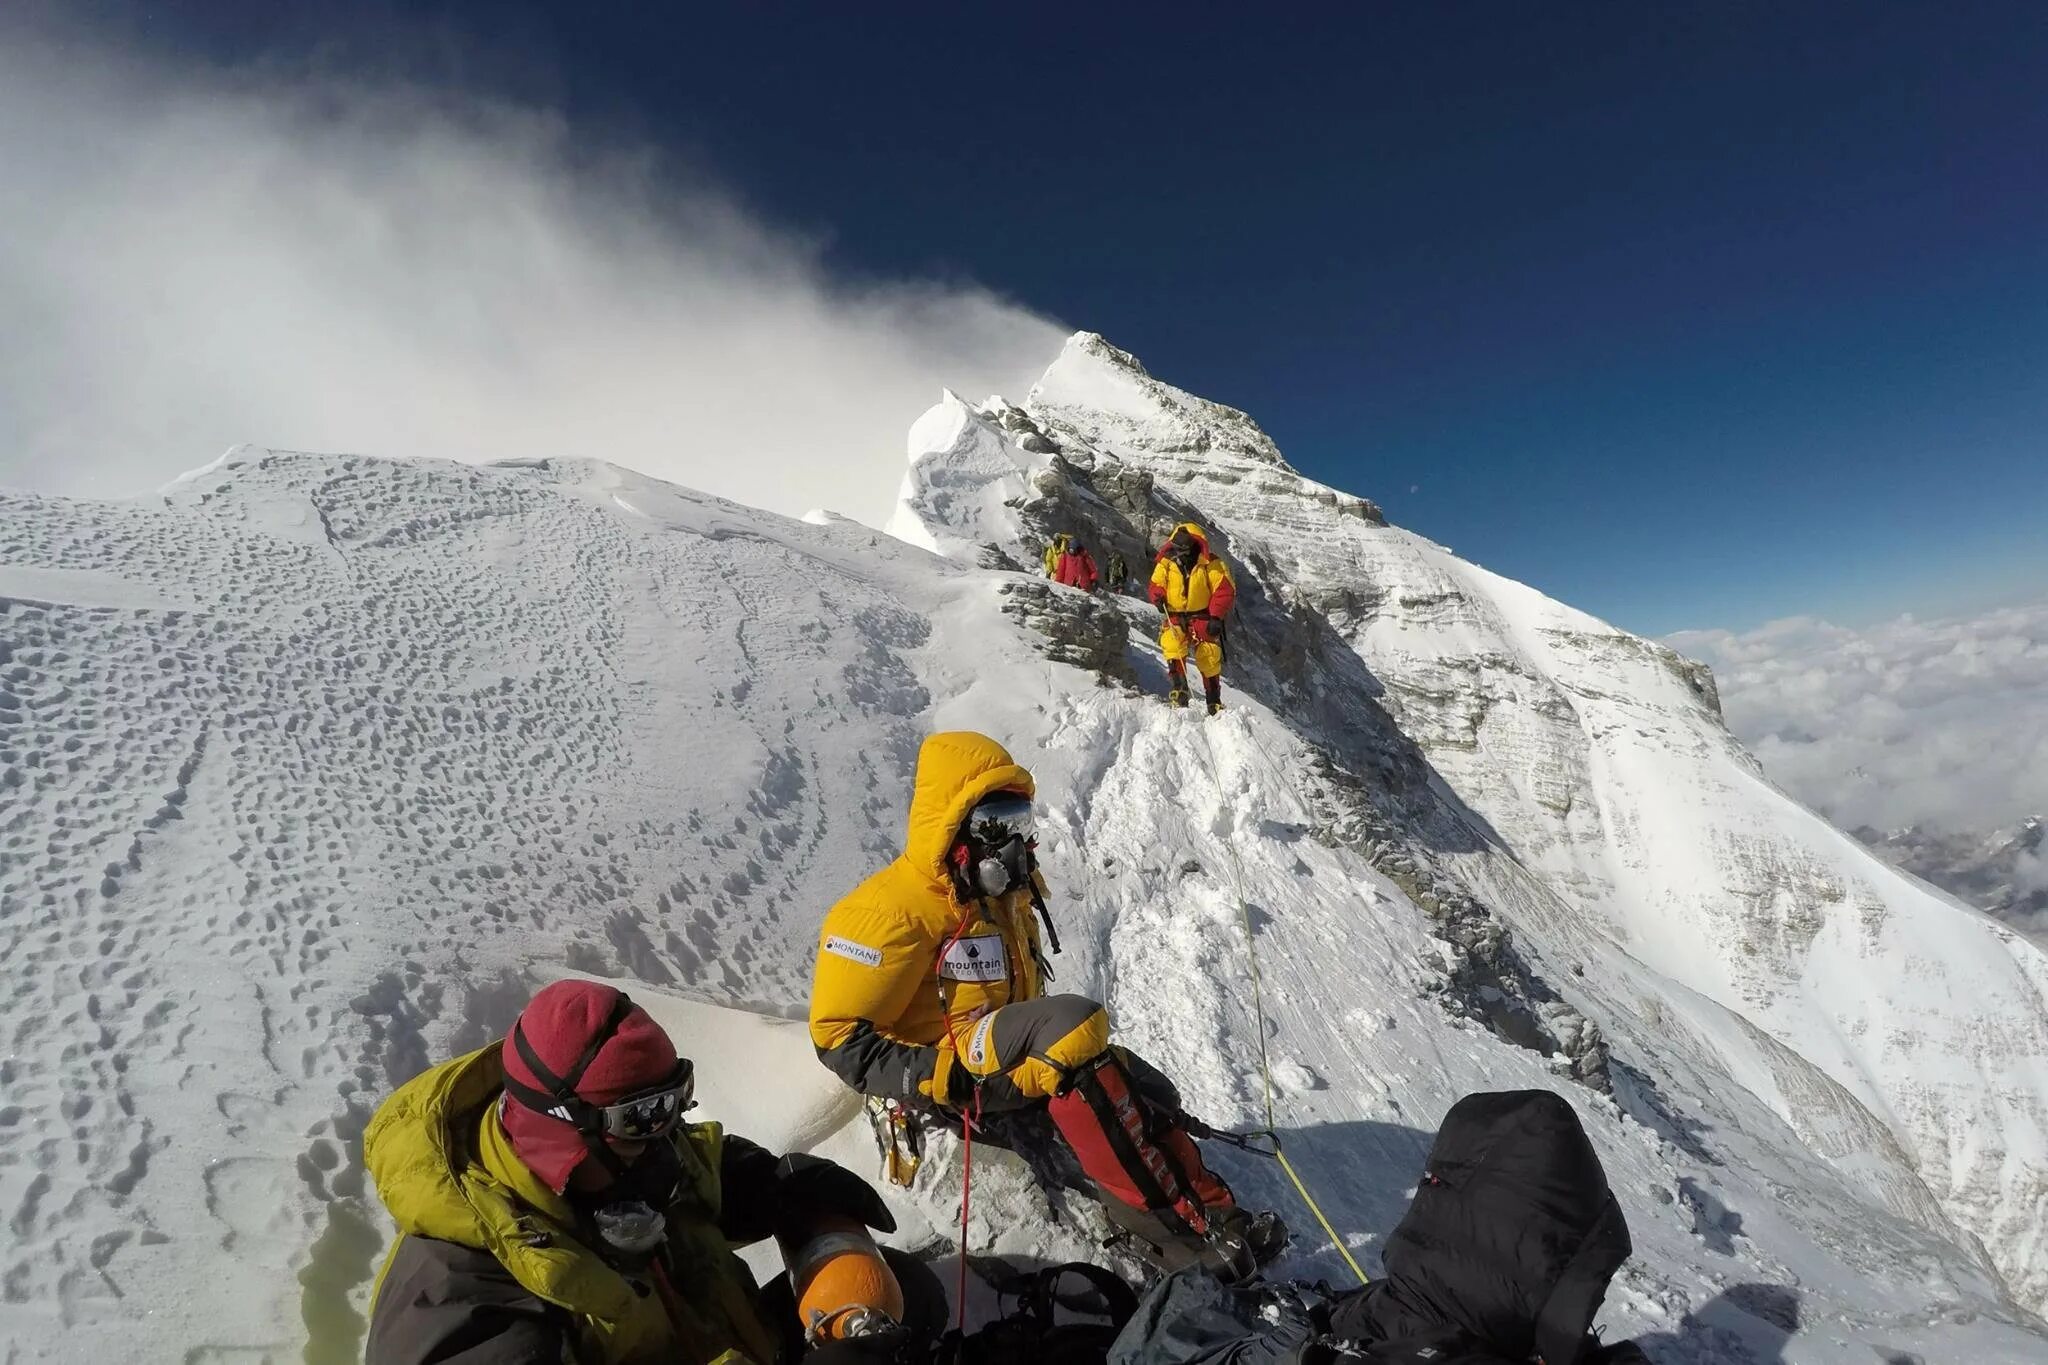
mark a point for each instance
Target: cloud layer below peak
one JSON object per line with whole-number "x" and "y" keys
{"x": 1940, "y": 723}
{"x": 192, "y": 260}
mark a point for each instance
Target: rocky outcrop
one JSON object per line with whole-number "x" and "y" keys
{"x": 1484, "y": 978}
{"x": 1080, "y": 629}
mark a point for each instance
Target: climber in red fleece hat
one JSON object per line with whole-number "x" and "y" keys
{"x": 588, "y": 1074}
{"x": 552, "y": 1204}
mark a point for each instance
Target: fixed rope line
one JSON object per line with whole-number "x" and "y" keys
{"x": 1251, "y": 957}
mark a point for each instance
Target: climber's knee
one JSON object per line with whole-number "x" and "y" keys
{"x": 1037, "y": 1044}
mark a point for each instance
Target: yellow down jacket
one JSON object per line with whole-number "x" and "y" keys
{"x": 885, "y": 1015}
{"x": 1207, "y": 588}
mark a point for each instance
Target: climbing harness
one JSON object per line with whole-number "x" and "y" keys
{"x": 1251, "y": 956}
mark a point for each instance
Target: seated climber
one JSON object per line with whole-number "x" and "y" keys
{"x": 928, "y": 997}
{"x": 552, "y": 1205}
{"x": 1194, "y": 591}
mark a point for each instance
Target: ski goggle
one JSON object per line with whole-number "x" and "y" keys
{"x": 652, "y": 1113}
{"x": 1001, "y": 818}
{"x": 1002, "y": 834}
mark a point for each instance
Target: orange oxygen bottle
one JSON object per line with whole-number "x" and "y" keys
{"x": 843, "y": 1286}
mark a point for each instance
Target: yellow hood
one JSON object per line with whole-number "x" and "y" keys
{"x": 955, "y": 769}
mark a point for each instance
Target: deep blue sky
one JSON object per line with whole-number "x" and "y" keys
{"x": 1687, "y": 318}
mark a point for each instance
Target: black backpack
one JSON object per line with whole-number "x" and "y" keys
{"x": 1503, "y": 1256}
{"x": 1511, "y": 1239}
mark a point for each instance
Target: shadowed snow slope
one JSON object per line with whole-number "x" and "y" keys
{"x": 313, "y": 767}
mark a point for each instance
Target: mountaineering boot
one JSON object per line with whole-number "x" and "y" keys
{"x": 1212, "y": 688}
{"x": 1265, "y": 1235}
{"x": 1177, "y": 697}
{"x": 1176, "y": 683}
{"x": 1237, "y": 1245}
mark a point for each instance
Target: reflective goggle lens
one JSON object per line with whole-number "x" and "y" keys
{"x": 1000, "y": 819}
{"x": 643, "y": 1117}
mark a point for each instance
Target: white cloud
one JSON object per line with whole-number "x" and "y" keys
{"x": 1939, "y": 723}
{"x": 188, "y": 261}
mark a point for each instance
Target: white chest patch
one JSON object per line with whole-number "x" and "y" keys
{"x": 980, "y": 958}
{"x": 977, "y": 1042}
{"x": 854, "y": 952}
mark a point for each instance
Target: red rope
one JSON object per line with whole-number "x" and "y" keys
{"x": 967, "y": 1121}
{"x": 966, "y": 1197}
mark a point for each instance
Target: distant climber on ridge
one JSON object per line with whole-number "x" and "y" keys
{"x": 1119, "y": 572}
{"x": 552, "y": 1205}
{"x": 1054, "y": 548}
{"x": 1077, "y": 568}
{"x": 1194, "y": 590}
{"x": 928, "y": 997}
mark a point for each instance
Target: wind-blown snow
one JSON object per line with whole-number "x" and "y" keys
{"x": 314, "y": 766}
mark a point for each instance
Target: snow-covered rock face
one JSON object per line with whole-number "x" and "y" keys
{"x": 1900, "y": 1037}
{"x": 312, "y": 768}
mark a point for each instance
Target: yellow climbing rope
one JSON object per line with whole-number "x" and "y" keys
{"x": 1251, "y": 956}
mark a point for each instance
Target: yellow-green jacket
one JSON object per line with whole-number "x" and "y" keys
{"x": 488, "y": 1255}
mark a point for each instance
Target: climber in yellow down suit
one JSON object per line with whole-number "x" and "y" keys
{"x": 1194, "y": 590}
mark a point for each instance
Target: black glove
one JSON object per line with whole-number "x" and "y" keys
{"x": 809, "y": 1185}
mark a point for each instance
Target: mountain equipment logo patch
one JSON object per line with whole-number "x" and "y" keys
{"x": 977, "y": 1042}
{"x": 854, "y": 952}
{"x": 980, "y": 958}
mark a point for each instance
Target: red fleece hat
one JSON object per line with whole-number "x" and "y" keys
{"x": 558, "y": 1024}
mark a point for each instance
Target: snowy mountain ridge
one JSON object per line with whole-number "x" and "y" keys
{"x": 314, "y": 766}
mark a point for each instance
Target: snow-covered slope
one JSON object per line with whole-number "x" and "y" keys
{"x": 312, "y": 767}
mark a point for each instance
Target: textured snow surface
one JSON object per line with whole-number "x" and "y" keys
{"x": 313, "y": 767}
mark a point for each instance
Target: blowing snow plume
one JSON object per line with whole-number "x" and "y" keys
{"x": 193, "y": 259}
